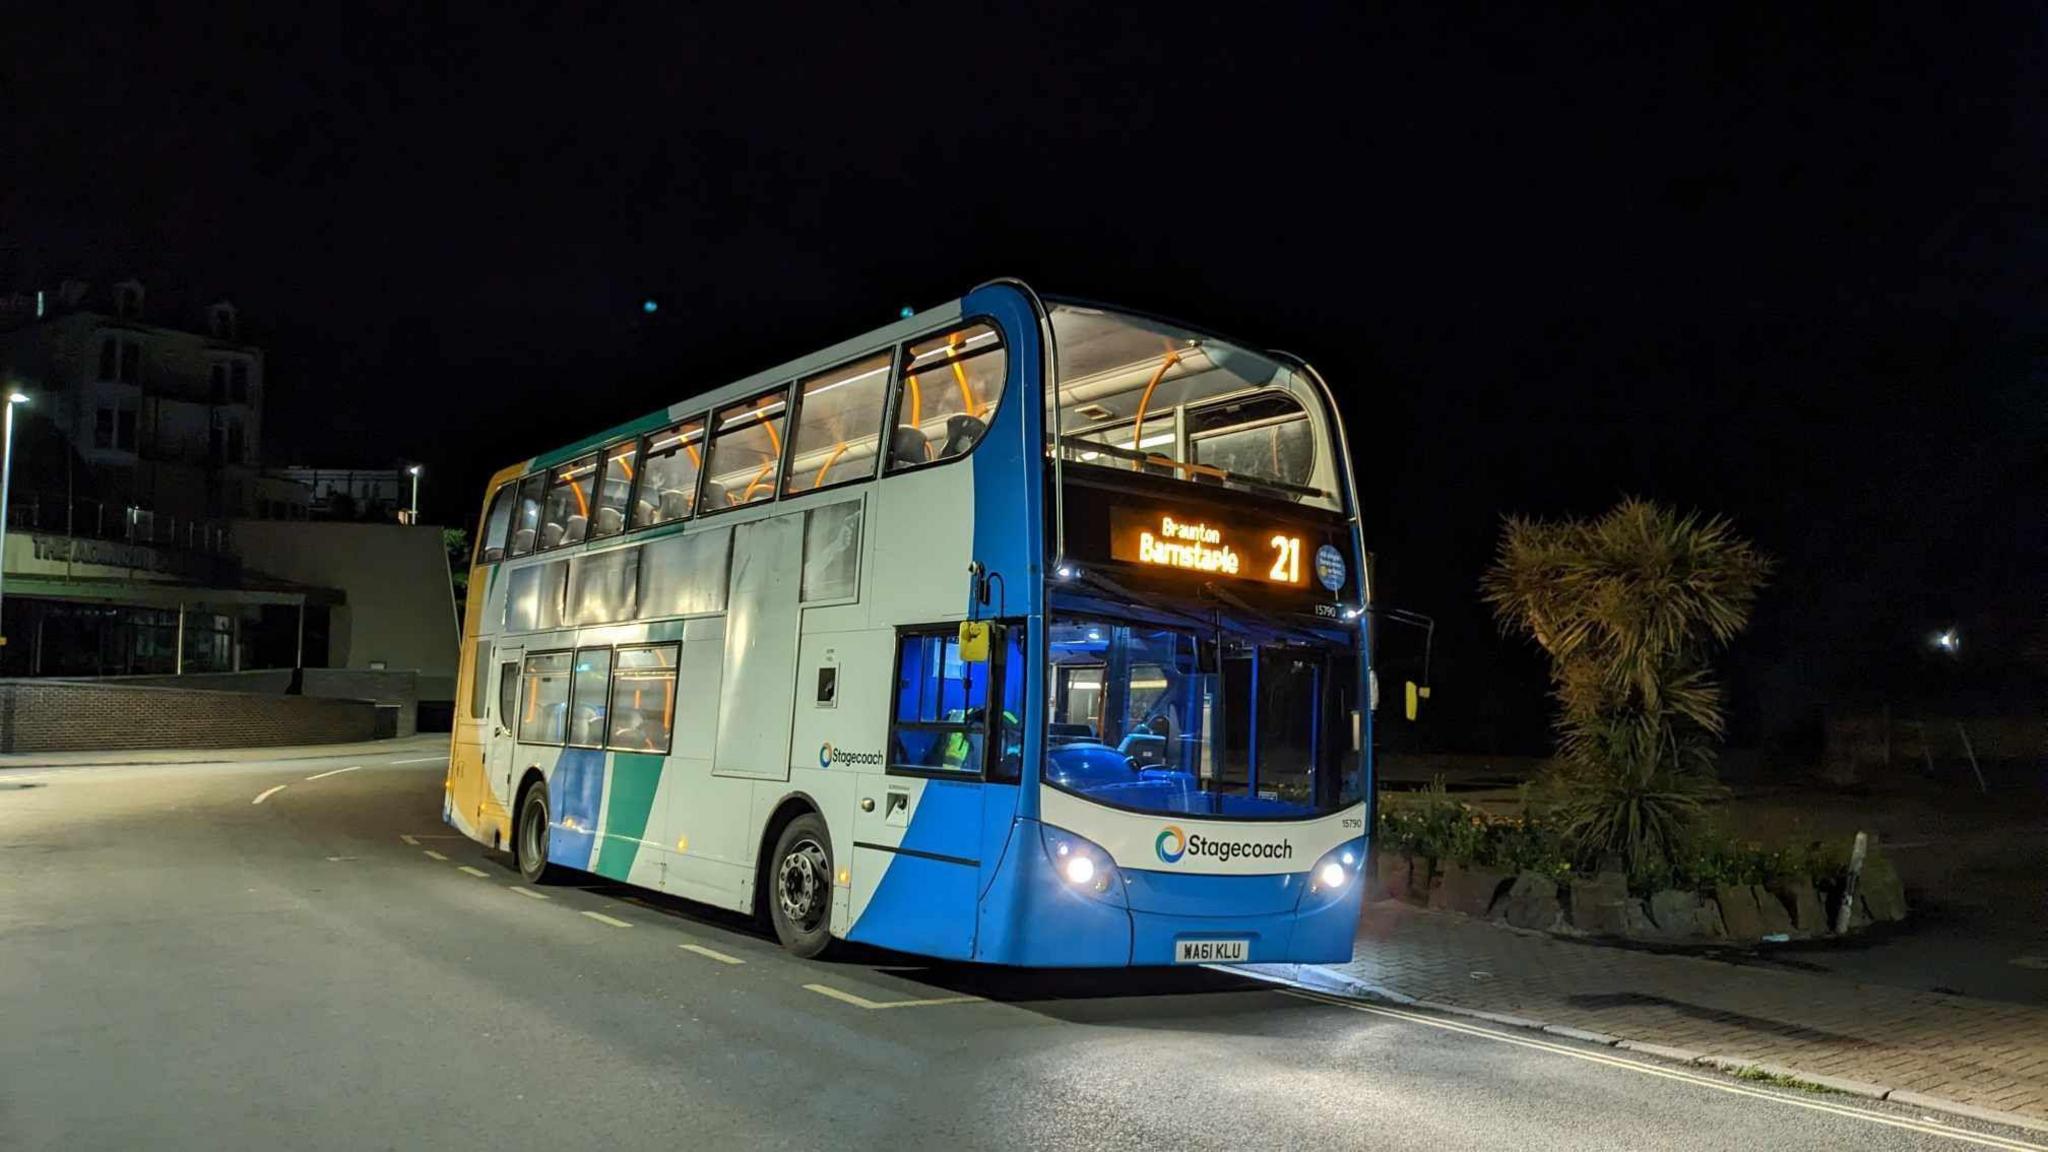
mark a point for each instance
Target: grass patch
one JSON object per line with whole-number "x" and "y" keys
{"x": 1759, "y": 1075}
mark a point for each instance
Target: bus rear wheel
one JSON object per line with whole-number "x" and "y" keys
{"x": 800, "y": 886}
{"x": 530, "y": 834}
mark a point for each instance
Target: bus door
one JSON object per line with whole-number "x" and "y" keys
{"x": 920, "y": 827}
{"x": 504, "y": 732}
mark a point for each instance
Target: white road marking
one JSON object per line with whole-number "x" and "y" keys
{"x": 267, "y": 793}
{"x": 873, "y": 1005}
{"x": 409, "y": 840}
{"x": 422, "y": 760}
{"x": 701, "y": 950}
{"x": 434, "y": 854}
{"x": 336, "y": 772}
{"x": 601, "y": 918}
{"x": 527, "y": 892}
{"x": 473, "y": 871}
{"x": 1928, "y": 1126}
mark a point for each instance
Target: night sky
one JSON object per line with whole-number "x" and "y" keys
{"x": 1789, "y": 267}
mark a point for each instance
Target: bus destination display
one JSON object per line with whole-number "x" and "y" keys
{"x": 1203, "y": 545}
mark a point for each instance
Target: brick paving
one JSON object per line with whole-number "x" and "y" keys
{"x": 1985, "y": 1053}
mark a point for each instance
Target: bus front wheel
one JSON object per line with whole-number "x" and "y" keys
{"x": 800, "y": 886}
{"x": 530, "y": 839}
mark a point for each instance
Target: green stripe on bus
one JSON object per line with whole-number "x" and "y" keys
{"x": 638, "y": 427}
{"x": 635, "y": 777}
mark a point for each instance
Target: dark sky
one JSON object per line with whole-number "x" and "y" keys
{"x": 1787, "y": 266}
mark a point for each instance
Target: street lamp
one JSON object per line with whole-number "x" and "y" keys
{"x": 414, "y": 472}
{"x": 14, "y": 396}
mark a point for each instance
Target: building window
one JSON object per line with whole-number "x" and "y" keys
{"x": 668, "y": 476}
{"x": 643, "y": 698}
{"x": 103, "y": 428}
{"x": 614, "y": 489}
{"x": 838, "y": 425}
{"x": 236, "y": 447}
{"x": 565, "y": 519}
{"x": 545, "y": 705}
{"x": 131, "y": 362}
{"x": 217, "y": 383}
{"x": 949, "y": 389}
{"x": 238, "y": 382}
{"x": 587, "y": 697}
{"x": 110, "y": 358}
{"x": 124, "y": 429}
{"x": 746, "y": 449}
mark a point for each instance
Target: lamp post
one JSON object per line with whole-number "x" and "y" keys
{"x": 14, "y": 397}
{"x": 414, "y": 472}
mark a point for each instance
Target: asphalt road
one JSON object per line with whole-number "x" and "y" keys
{"x": 194, "y": 957}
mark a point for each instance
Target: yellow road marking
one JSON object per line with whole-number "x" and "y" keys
{"x": 267, "y": 793}
{"x": 1929, "y": 1127}
{"x": 434, "y": 854}
{"x": 409, "y": 840}
{"x": 701, "y": 950}
{"x": 872, "y": 1005}
{"x": 473, "y": 871}
{"x": 527, "y": 892}
{"x": 614, "y": 921}
{"x": 336, "y": 772}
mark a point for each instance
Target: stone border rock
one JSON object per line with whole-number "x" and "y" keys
{"x": 1314, "y": 978}
{"x": 1600, "y": 905}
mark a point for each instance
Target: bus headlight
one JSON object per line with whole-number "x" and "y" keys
{"x": 1335, "y": 869}
{"x": 1082, "y": 865}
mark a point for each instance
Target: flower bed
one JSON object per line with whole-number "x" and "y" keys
{"x": 1436, "y": 851}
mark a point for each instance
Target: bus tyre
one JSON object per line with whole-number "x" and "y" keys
{"x": 800, "y": 886}
{"x": 530, "y": 834}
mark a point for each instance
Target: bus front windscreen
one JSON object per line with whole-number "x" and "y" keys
{"x": 1193, "y": 721}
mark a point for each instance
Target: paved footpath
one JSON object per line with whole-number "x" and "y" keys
{"x": 1922, "y": 1048}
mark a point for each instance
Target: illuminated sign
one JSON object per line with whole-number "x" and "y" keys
{"x": 1206, "y": 546}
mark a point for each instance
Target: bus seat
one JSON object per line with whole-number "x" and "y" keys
{"x": 643, "y": 513}
{"x": 550, "y": 535}
{"x": 961, "y": 433}
{"x": 1148, "y": 749}
{"x": 714, "y": 494}
{"x": 1061, "y": 733}
{"x": 609, "y": 521}
{"x": 675, "y": 503}
{"x": 909, "y": 446}
{"x": 522, "y": 541}
{"x": 577, "y": 527}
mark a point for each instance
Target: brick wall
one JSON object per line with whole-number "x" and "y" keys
{"x": 66, "y": 716}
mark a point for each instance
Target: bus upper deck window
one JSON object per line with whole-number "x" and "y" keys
{"x": 667, "y": 487}
{"x": 838, "y": 425}
{"x": 946, "y": 395}
{"x": 614, "y": 486}
{"x": 491, "y": 546}
{"x": 526, "y": 518}
{"x": 746, "y": 449}
{"x": 565, "y": 519}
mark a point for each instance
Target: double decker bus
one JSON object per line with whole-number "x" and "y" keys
{"x": 1018, "y": 631}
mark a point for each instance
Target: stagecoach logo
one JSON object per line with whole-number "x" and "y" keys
{"x": 1330, "y": 567}
{"x": 829, "y": 755}
{"x": 1173, "y": 844}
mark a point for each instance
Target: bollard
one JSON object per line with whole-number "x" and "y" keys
{"x": 1849, "y": 883}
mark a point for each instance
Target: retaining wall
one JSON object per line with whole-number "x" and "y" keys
{"x": 70, "y": 716}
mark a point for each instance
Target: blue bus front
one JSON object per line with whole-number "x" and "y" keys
{"x": 1192, "y": 750}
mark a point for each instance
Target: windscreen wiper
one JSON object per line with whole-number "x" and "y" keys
{"x": 1124, "y": 595}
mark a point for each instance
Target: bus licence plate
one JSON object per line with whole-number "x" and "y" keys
{"x": 1210, "y": 951}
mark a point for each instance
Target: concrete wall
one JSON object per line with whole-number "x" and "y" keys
{"x": 69, "y": 716}
{"x": 394, "y": 692}
{"x": 400, "y": 610}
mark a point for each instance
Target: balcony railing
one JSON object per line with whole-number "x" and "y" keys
{"x": 105, "y": 520}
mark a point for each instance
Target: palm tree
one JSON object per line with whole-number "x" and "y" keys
{"x": 1629, "y": 607}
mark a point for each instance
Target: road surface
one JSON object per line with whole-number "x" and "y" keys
{"x": 297, "y": 954}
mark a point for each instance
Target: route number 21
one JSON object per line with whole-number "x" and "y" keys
{"x": 1287, "y": 559}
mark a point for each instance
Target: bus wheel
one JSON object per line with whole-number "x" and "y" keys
{"x": 530, "y": 836}
{"x": 800, "y": 879}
